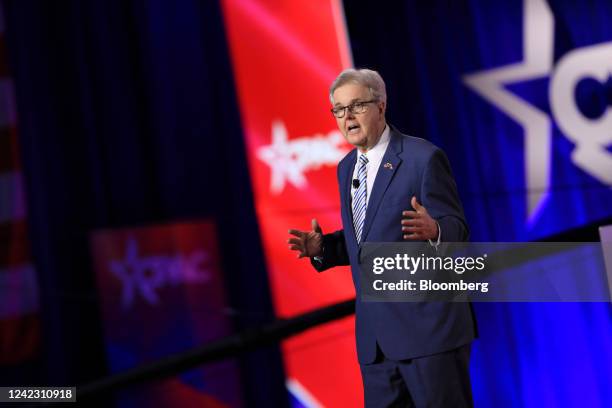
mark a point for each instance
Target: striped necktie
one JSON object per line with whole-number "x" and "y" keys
{"x": 360, "y": 198}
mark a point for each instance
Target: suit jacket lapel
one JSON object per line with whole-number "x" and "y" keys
{"x": 386, "y": 171}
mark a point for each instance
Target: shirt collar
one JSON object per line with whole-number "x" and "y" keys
{"x": 378, "y": 151}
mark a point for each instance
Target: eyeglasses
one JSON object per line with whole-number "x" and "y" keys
{"x": 355, "y": 108}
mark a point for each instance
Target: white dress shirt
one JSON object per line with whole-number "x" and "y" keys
{"x": 375, "y": 156}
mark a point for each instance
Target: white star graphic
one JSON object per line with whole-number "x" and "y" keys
{"x": 538, "y": 32}
{"x": 146, "y": 275}
{"x": 290, "y": 159}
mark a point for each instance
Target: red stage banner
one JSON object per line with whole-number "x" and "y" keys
{"x": 165, "y": 280}
{"x": 285, "y": 54}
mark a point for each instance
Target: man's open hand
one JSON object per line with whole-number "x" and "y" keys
{"x": 307, "y": 243}
{"x": 418, "y": 225}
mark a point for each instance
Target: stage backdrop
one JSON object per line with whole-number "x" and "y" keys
{"x": 128, "y": 118}
{"x": 285, "y": 54}
{"x": 518, "y": 94}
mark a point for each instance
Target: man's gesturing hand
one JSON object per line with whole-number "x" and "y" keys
{"x": 418, "y": 225}
{"x": 307, "y": 243}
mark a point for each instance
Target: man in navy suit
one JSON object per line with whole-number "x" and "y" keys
{"x": 410, "y": 354}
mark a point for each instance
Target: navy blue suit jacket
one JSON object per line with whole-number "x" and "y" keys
{"x": 403, "y": 330}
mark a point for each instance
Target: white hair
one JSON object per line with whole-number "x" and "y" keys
{"x": 366, "y": 77}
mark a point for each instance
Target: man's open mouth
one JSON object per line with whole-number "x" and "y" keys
{"x": 353, "y": 128}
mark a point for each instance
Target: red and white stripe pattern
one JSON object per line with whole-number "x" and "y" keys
{"x": 19, "y": 318}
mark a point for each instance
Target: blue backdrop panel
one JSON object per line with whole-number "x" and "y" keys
{"x": 427, "y": 51}
{"x": 528, "y": 354}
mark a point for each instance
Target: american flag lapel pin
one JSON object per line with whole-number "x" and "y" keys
{"x": 388, "y": 166}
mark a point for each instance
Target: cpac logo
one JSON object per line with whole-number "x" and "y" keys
{"x": 290, "y": 159}
{"x": 146, "y": 275}
{"x": 591, "y": 136}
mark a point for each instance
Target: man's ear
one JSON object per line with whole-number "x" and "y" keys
{"x": 382, "y": 107}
